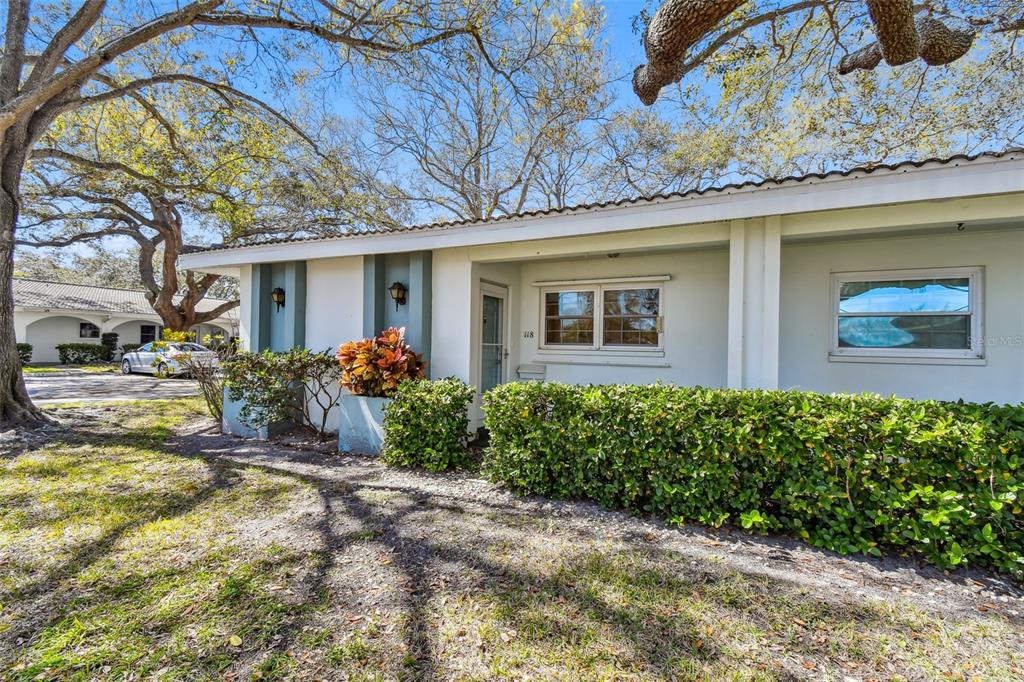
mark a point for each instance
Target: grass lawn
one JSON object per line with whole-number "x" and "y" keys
{"x": 52, "y": 369}
{"x": 124, "y": 554}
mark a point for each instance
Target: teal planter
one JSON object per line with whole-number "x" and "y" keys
{"x": 361, "y": 424}
{"x": 232, "y": 424}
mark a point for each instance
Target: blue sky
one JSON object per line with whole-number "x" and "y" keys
{"x": 624, "y": 50}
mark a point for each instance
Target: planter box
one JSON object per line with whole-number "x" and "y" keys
{"x": 232, "y": 424}
{"x": 360, "y": 423}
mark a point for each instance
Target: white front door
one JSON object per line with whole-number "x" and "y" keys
{"x": 493, "y": 336}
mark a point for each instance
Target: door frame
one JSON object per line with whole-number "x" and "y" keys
{"x": 498, "y": 291}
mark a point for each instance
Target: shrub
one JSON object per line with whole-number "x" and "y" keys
{"x": 427, "y": 425}
{"x": 375, "y": 367}
{"x": 24, "y": 352}
{"x": 847, "y": 473}
{"x": 282, "y": 387}
{"x": 129, "y": 347}
{"x": 81, "y": 353}
{"x": 109, "y": 342}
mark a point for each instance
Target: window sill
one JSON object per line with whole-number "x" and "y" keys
{"x": 583, "y": 352}
{"x": 602, "y": 362}
{"x": 894, "y": 360}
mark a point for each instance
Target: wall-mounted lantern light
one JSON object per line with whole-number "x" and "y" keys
{"x": 277, "y": 296}
{"x": 397, "y": 291}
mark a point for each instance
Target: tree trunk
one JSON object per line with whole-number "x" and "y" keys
{"x": 15, "y": 405}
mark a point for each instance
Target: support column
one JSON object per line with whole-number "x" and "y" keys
{"x": 21, "y": 328}
{"x": 755, "y": 248}
{"x": 295, "y": 306}
{"x": 373, "y": 295}
{"x": 420, "y": 302}
{"x": 259, "y": 308}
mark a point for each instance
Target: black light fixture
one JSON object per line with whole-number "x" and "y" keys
{"x": 397, "y": 291}
{"x": 277, "y": 296}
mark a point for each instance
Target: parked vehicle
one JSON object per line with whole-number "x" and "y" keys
{"x": 165, "y": 359}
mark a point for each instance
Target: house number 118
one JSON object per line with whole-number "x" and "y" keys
{"x": 528, "y": 335}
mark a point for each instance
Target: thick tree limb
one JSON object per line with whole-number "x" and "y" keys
{"x": 894, "y": 26}
{"x": 939, "y": 44}
{"x": 675, "y": 27}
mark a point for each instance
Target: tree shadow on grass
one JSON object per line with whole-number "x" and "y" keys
{"x": 625, "y": 612}
{"x": 44, "y": 597}
{"x": 662, "y": 643}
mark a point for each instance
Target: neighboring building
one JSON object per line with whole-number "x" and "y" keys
{"x": 51, "y": 313}
{"x": 904, "y": 279}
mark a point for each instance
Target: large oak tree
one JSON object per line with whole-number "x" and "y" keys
{"x": 186, "y": 163}
{"x": 56, "y": 60}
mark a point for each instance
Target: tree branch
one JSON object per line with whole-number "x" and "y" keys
{"x": 52, "y": 153}
{"x": 347, "y": 39}
{"x": 53, "y": 54}
{"x": 14, "y": 49}
{"x": 77, "y": 73}
{"x": 78, "y": 238}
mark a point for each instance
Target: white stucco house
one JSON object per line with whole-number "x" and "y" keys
{"x": 905, "y": 279}
{"x": 51, "y": 313}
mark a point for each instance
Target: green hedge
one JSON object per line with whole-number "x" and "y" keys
{"x": 426, "y": 425}
{"x": 847, "y": 473}
{"x": 129, "y": 347}
{"x": 81, "y": 353}
{"x": 109, "y": 342}
{"x": 24, "y": 352}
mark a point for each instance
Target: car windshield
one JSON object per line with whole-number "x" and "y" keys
{"x": 195, "y": 347}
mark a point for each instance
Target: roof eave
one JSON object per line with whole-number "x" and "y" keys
{"x": 930, "y": 181}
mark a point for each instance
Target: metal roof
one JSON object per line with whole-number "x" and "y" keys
{"x": 33, "y": 293}
{"x": 767, "y": 183}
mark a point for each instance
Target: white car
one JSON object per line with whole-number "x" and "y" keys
{"x": 163, "y": 358}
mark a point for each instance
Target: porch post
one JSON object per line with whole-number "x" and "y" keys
{"x": 373, "y": 295}
{"x": 259, "y": 308}
{"x": 420, "y": 302}
{"x": 755, "y": 248}
{"x": 21, "y": 328}
{"x": 295, "y": 308}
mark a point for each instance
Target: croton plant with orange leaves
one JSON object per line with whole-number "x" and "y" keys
{"x": 374, "y": 367}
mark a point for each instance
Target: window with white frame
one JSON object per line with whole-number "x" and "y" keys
{"x": 934, "y": 313}
{"x": 87, "y": 330}
{"x": 602, "y": 316}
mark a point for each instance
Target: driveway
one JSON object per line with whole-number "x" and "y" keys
{"x": 78, "y": 386}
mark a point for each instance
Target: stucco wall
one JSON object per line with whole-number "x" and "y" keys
{"x": 806, "y": 316}
{"x": 454, "y": 293}
{"x": 130, "y": 332}
{"x": 334, "y": 309}
{"x": 44, "y": 334}
{"x": 695, "y": 311}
